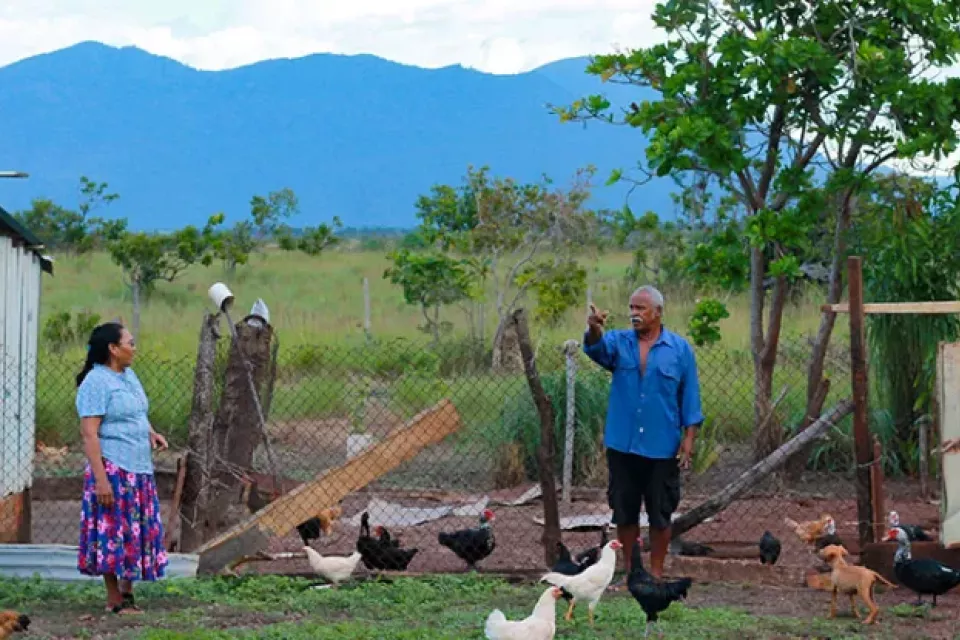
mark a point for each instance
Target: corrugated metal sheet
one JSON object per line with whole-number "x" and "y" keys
{"x": 20, "y": 272}
{"x": 59, "y": 562}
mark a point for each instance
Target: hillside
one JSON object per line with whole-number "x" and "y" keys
{"x": 354, "y": 136}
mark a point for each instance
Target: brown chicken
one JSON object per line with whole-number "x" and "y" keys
{"x": 950, "y": 446}
{"x": 12, "y": 622}
{"x": 810, "y": 530}
{"x": 851, "y": 580}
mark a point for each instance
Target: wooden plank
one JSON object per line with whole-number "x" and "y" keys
{"x": 172, "y": 534}
{"x": 858, "y": 373}
{"x": 329, "y": 487}
{"x": 940, "y": 306}
{"x": 948, "y": 421}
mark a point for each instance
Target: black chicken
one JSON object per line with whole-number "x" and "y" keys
{"x": 653, "y": 595}
{"x": 471, "y": 545}
{"x": 769, "y": 549}
{"x": 680, "y": 547}
{"x": 914, "y": 533}
{"x": 923, "y": 576}
{"x": 565, "y": 563}
{"x": 256, "y": 499}
{"x": 590, "y": 556}
{"x": 385, "y": 538}
{"x": 377, "y": 554}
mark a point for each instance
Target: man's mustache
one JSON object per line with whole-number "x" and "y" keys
{"x": 636, "y": 319}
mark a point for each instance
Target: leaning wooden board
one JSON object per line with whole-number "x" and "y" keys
{"x": 328, "y": 488}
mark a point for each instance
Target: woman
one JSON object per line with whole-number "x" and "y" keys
{"x": 121, "y": 535}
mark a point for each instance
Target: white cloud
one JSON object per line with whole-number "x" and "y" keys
{"x": 498, "y": 36}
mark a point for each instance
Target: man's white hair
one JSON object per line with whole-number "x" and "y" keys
{"x": 651, "y": 291}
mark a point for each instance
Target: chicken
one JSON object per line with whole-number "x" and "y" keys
{"x": 256, "y": 499}
{"x": 384, "y": 537}
{"x": 51, "y": 455}
{"x": 322, "y": 522}
{"x": 923, "y": 576}
{"x": 769, "y": 548}
{"x": 11, "y": 622}
{"x": 651, "y": 594}
{"x": 383, "y": 553}
{"x": 539, "y": 625}
{"x": 471, "y": 545}
{"x": 590, "y": 584}
{"x": 828, "y": 537}
{"x": 590, "y": 556}
{"x": 914, "y": 532}
{"x": 334, "y": 569}
{"x": 810, "y": 530}
{"x": 565, "y": 563}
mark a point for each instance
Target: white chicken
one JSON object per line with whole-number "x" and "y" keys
{"x": 335, "y": 569}
{"x": 589, "y": 584}
{"x": 540, "y": 625}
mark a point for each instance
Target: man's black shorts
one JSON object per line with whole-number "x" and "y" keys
{"x": 637, "y": 481}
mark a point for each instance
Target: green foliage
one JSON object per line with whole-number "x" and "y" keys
{"x": 520, "y": 422}
{"x": 233, "y": 246}
{"x": 702, "y": 327}
{"x": 77, "y": 232}
{"x": 268, "y": 213}
{"x": 522, "y": 236}
{"x": 147, "y": 258}
{"x": 311, "y": 240}
{"x": 750, "y": 94}
{"x": 558, "y": 286}
{"x": 62, "y": 330}
{"x": 909, "y": 233}
{"x": 430, "y": 280}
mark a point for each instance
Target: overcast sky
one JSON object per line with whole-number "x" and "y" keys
{"x": 497, "y": 36}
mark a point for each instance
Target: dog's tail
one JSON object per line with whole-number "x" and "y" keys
{"x": 884, "y": 580}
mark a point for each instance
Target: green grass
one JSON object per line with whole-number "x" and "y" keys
{"x": 443, "y": 607}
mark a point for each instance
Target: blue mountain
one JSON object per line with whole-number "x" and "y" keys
{"x": 355, "y": 136}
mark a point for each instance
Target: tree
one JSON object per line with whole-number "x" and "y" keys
{"x": 233, "y": 246}
{"x": 524, "y": 234}
{"x": 311, "y": 240}
{"x": 148, "y": 258}
{"x": 69, "y": 231}
{"x": 756, "y": 95}
{"x": 909, "y": 229}
{"x": 269, "y": 213}
{"x": 430, "y": 280}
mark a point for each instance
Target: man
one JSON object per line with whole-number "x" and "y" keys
{"x": 652, "y": 417}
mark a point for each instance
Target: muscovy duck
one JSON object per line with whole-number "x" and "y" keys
{"x": 923, "y": 576}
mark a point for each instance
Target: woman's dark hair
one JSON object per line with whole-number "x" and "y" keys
{"x": 98, "y": 346}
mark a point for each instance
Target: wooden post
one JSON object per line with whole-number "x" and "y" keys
{"x": 570, "y": 353}
{"x": 366, "y": 307}
{"x": 545, "y": 453}
{"x": 924, "y": 455}
{"x": 858, "y": 373}
{"x": 876, "y": 490}
{"x": 196, "y": 484}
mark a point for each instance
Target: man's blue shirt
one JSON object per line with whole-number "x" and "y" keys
{"x": 648, "y": 410}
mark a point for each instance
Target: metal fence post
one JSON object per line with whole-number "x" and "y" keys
{"x": 570, "y": 351}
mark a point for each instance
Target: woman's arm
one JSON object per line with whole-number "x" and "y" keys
{"x": 89, "y": 427}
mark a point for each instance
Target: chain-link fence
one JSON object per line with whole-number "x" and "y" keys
{"x": 358, "y": 416}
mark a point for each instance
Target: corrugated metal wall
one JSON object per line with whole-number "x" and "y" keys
{"x": 20, "y": 272}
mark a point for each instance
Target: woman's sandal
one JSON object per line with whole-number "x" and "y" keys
{"x": 126, "y": 607}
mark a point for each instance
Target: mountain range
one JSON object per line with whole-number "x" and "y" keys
{"x": 355, "y": 136}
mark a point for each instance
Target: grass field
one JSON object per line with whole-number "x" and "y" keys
{"x": 442, "y": 607}
{"x": 320, "y": 300}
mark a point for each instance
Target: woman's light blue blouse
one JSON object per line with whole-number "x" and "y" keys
{"x": 125, "y": 430}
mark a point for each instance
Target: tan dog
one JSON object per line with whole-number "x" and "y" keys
{"x": 851, "y": 580}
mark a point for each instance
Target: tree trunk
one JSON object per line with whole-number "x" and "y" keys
{"x": 506, "y": 352}
{"x": 818, "y": 387}
{"x": 768, "y": 432}
{"x": 545, "y": 452}
{"x": 196, "y": 485}
{"x": 236, "y": 428}
{"x": 752, "y": 476}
